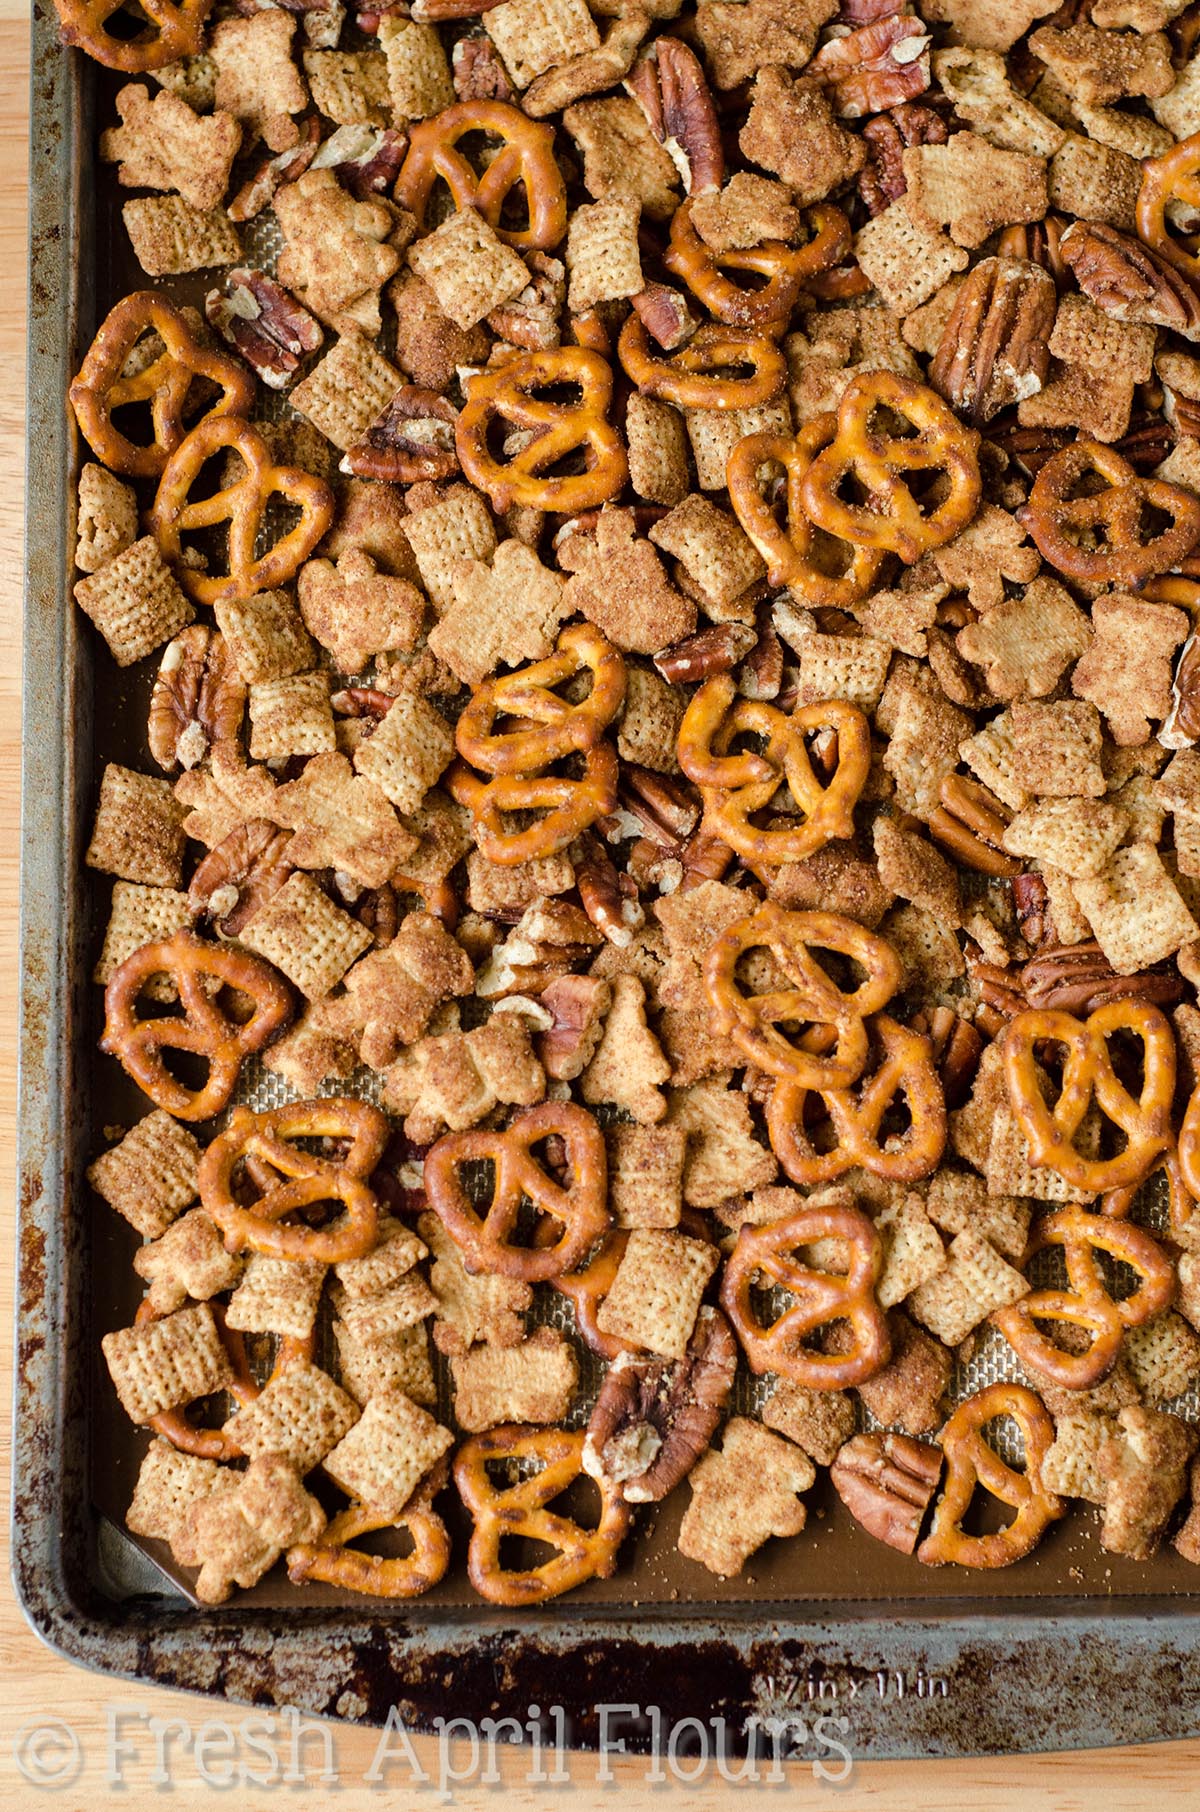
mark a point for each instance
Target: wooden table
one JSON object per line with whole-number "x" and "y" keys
{"x": 35, "y": 1686}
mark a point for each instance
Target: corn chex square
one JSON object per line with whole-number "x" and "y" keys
{"x": 1072, "y": 1465}
{"x": 713, "y": 549}
{"x": 169, "y": 236}
{"x": 397, "y": 1362}
{"x": 535, "y": 35}
{"x": 277, "y": 1296}
{"x": 408, "y": 752}
{"x": 347, "y": 391}
{"x": 714, "y": 433}
{"x": 469, "y": 269}
{"x": 1009, "y": 1167}
{"x": 913, "y": 1250}
{"x": 533, "y": 1382}
{"x": 388, "y": 1311}
{"x": 265, "y": 636}
{"x": 305, "y": 935}
{"x": 168, "y": 1484}
{"x": 650, "y": 722}
{"x": 167, "y": 1363}
{"x": 991, "y": 756}
{"x": 350, "y": 87}
{"x": 841, "y": 666}
{"x": 645, "y": 1174}
{"x": 291, "y": 716}
{"x": 1094, "y": 182}
{"x": 1164, "y": 1356}
{"x": 106, "y": 521}
{"x": 1135, "y": 910}
{"x": 1078, "y": 836}
{"x": 140, "y": 915}
{"x": 742, "y": 1495}
{"x": 655, "y": 1296}
{"x": 418, "y": 74}
{"x": 958, "y": 1199}
{"x": 135, "y": 602}
{"x": 602, "y": 253}
{"x": 457, "y": 527}
{"x": 1056, "y": 749}
{"x": 656, "y": 438}
{"x": 973, "y": 1281}
{"x": 149, "y": 1177}
{"x": 301, "y": 1413}
{"x": 906, "y": 256}
{"x": 138, "y": 831}
{"x": 397, "y": 1249}
{"x": 387, "y": 1452}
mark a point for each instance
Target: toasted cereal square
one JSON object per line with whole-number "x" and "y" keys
{"x": 348, "y": 390}
{"x": 257, "y": 81}
{"x": 277, "y": 1296}
{"x": 1056, "y": 749}
{"x": 990, "y": 755}
{"x": 468, "y": 268}
{"x": 982, "y": 93}
{"x": 500, "y": 888}
{"x": 1179, "y": 109}
{"x": 628, "y": 1064}
{"x": 1127, "y": 671}
{"x": 906, "y": 256}
{"x": 408, "y": 752}
{"x": 657, "y": 442}
{"x": 645, "y": 1174}
{"x": 602, "y": 253}
{"x": 958, "y": 1199}
{"x": 508, "y": 612}
{"x": 388, "y": 1451}
{"x": 621, "y": 155}
{"x": 397, "y": 1249}
{"x": 1136, "y": 912}
{"x": 1086, "y": 335}
{"x": 1177, "y": 788}
{"x": 910, "y": 867}
{"x": 712, "y": 548}
{"x": 909, "y": 1392}
{"x": 457, "y": 527}
{"x": 1025, "y": 644}
{"x": 533, "y": 1382}
{"x": 418, "y": 73}
{"x": 169, "y": 236}
{"x": 924, "y": 747}
{"x": 149, "y": 1177}
{"x": 723, "y": 1156}
{"x": 188, "y": 1260}
{"x": 166, "y": 1363}
{"x": 714, "y": 433}
{"x": 819, "y": 1421}
{"x": 973, "y": 1281}
{"x": 265, "y": 636}
{"x": 168, "y": 1484}
{"x": 162, "y": 144}
{"x": 291, "y": 716}
{"x": 655, "y": 1295}
{"x": 444, "y": 832}
{"x": 305, "y": 935}
{"x": 973, "y": 187}
{"x": 386, "y": 1312}
{"x": 1078, "y": 836}
{"x": 107, "y": 520}
{"x": 1163, "y": 1355}
{"x": 138, "y": 832}
{"x": 913, "y": 1251}
{"x": 839, "y": 666}
{"x": 649, "y": 728}
{"x": 1144, "y": 1466}
{"x": 193, "y": 79}
{"x": 1094, "y": 182}
{"x": 135, "y": 602}
{"x": 1009, "y": 1167}
{"x": 349, "y": 87}
{"x": 399, "y": 1362}
{"x": 342, "y": 822}
{"x": 140, "y": 915}
{"x": 535, "y": 35}
{"x": 301, "y": 1413}
{"x": 1072, "y": 1465}
{"x": 743, "y": 1495}
{"x": 470, "y": 1308}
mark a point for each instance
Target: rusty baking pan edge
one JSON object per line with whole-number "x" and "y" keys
{"x": 915, "y": 1679}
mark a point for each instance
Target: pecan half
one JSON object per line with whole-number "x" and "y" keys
{"x": 666, "y": 807}
{"x": 577, "y": 1005}
{"x": 762, "y": 670}
{"x": 609, "y": 898}
{"x": 957, "y": 1047}
{"x": 1146, "y": 443}
{"x": 709, "y": 651}
{"x": 198, "y": 699}
{"x": 365, "y": 159}
{"x": 670, "y": 85}
{"x": 881, "y": 180}
{"x": 994, "y": 349}
{"x": 654, "y": 1418}
{"x": 549, "y": 938}
{"x": 531, "y": 318}
{"x": 1031, "y": 902}
{"x": 887, "y": 1482}
{"x": 1078, "y": 978}
{"x": 665, "y": 315}
{"x": 258, "y": 318}
{"x": 1038, "y": 243}
{"x": 1181, "y": 729}
{"x": 412, "y": 440}
{"x": 1128, "y": 280}
{"x": 704, "y": 858}
{"x": 478, "y": 73}
{"x": 239, "y": 876}
{"x": 273, "y": 172}
{"x": 881, "y": 65}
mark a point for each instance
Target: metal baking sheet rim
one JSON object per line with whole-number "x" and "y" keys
{"x": 959, "y": 1679}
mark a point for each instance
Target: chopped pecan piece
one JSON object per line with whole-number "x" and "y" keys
{"x": 762, "y": 670}
{"x": 1038, "y": 243}
{"x": 665, "y": 807}
{"x": 577, "y": 1005}
{"x": 272, "y": 331}
{"x": 413, "y": 440}
{"x": 609, "y": 898}
{"x": 655, "y": 1417}
{"x": 478, "y": 73}
{"x": 365, "y": 159}
{"x": 1032, "y": 904}
{"x": 549, "y": 938}
{"x": 531, "y": 318}
{"x": 1128, "y": 280}
{"x": 1146, "y": 443}
{"x": 665, "y": 315}
{"x": 887, "y": 1482}
{"x": 286, "y": 166}
{"x": 437, "y": 12}
{"x": 704, "y": 858}
{"x": 670, "y": 85}
{"x": 239, "y": 876}
{"x": 957, "y": 1047}
{"x": 994, "y": 349}
{"x": 881, "y": 180}
{"x": 1078, "y": 978}
{"x": 882, "y": 65}
{"x": 197, "y": 701}
{"x": 709, "y": 651}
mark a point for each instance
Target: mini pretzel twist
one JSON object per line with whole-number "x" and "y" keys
{"x": 736, "y": 786}
{"x": 891, "y": 518}
{"x": 970, "y": 1461}
{"x": 795, "y": 555}
{"x": 570, "y": 806}
{"x": 821, "y": 1298}
{"x": 175, "y": 29}
{"x": 1097, "y": 536}
{"x": 292, "y": 1180}
{"x": 586, "y": 1290}
{"x": 1088, "y": 1073}
{"x": 691, "y": 378}
{"x": 1189, "y": 1146}
{"x": 213, "y": 1443}
{"x": 205, "y": 1029}
{"x": 549, "y": 430}
{"x": 560, "y": 728}
{"x": 754, "y": 1020}
{"x": 787, "y": 268}
{"x": 243, "y": 504}
{"x": 907, "y": 1069}
{"x": 1087, "y": 1304}
{"x": 520, "y": 1509}
{"x": 525, "y": 160}
{"x": 332, "y": 1560}
{"x": 486, "y": 1239}
{"x": 102, "y": 387}
{"x": 1170, "y": 180}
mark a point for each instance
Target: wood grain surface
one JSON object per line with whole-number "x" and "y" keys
{"x": 37, "y": 1688}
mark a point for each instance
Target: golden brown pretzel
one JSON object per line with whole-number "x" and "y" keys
{"x": 550, "y": 430}
{"x": 735, "y": 787}
{"x": 549, "y": 727}
{"x": 586, "y": 1290}
{"x": 822, "y": 1298}
{"x": 795, "y": 555}
{"x": 486, "y": 1238}
{"x": 1170, "y": 180}
{"x": 204, "y": 1030}
{"x": 814, "y": 999}
{"x": 570, "y": 806}
{"x": 175, "y": 28}
{"x": 1098, "y": 535}
{"x": 243, "y": 504}
{"x": 214, "y": 1443}
{"x": 691, "y": 377}
{"x": 787, "y": 268}
{"x": 1087, "y": 1304}
{"x": 101, "y": 386}
{"x": 332, "y": 1560}
{"x": 501, "y": 1511}
{"x": 906, "y": 1069}
{"x": 970, "y": 1461}
{"x": 525, "y": 159}
{"x": 294, "y": 1181}
{"x": 1189, "y": 1145}
{"x": 1088, "y": 1072}
{"x": 890, "y": 517}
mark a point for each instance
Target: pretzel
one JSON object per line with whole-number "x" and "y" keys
{"x": 1087, "y": 1305}
{"x": 525, "y": 159}
{"x": 787, "y": 268}
{"x": 332, "y": 1560}
{"x": 570, "y": 806}
{"x": 1088, "y": 1072}
{"x": 586, "y": 1290}
{"x": 794, "y": 555}
{"x": 1189, "y": 1145}
{"x": 970, "y": 1462}
{"x": 549, "y": 432}
{"x": 1170, "y": 184}
{"x": 214, "y": 1443}
{"x": 970, "y": 822}
{"x": 486, "y": 1239}
{"x": 890, "y": 518}
{"x": 736, "y": 786}
{"x": 502, "y": 1511}
{"x": 180, "y": 27}
{"x": 205, "y": 1029}
{"x": 292, "y": 1180}
{"x": 1181, "y": 1202}
{"x": 766, "y": 1254}
{"x": 691, "y": 378}
{"x": 102, "y": 387}
{"x": 907, "y": 1069}
{"x": 561, "y": 727}
{"x": 753, "y": 1020}
{"x": 1097, "y": 536}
